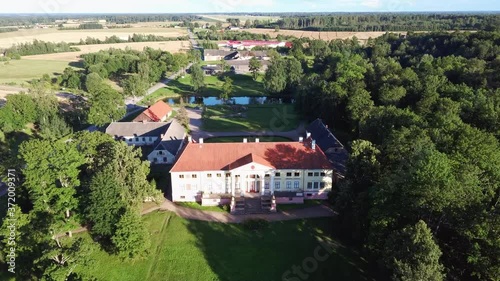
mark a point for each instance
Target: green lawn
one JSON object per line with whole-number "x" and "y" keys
{"x": 266, "y": 117}
{"x": 21, "y": 71}
{"x": 194, "y": 250}
{"x": 197, "y": 206}
{"x": 249, "y": 139}
{"x": 244, "y": 85}
{"x": 307, "y": 204}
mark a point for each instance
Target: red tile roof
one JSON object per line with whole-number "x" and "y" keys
{"x": 227, "y": 156}
{"x": 157, "y": 111}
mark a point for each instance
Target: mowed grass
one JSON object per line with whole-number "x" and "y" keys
{"x": 243, "y": 85}
{"x": 197, "y": 206}
{"x": 22, "y": 71}
{"x": 265, "y": 117}
{"x": 194, "y": 250}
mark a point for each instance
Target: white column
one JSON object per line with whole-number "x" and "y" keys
{"x": 233, "y": 191}
{"x": 271, "y": 184}
{"x": 262, "y": 183}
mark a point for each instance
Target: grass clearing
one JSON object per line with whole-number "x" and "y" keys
{"x": 265, "y": 117}
{"x": 22, "y": 71}
{"x": 243, "y": 86}
{"x": 195, "y": 250}
{"x": 249, "y": 139}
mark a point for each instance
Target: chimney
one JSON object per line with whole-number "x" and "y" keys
{"x": 201, "y": 140}
{"x": 301, "y": 139}
{"x": 257, "y": 140}
{"x": 313, "y": 144}
{"x": 245, "y": 140}
{"x": 326, "y": 126}
{"x": 161, "y": 136}
{"x": 190, "y": 139}
{"x": 144, "y": 121}
{"x": 308, "y": 135}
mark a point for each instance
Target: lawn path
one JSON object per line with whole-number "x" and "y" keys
{"x": 319, "y": 211}
{"x": 158, "y": 247}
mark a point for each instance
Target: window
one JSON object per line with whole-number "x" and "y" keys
{"x": 143, "y": 139}
{"x": 155, "y": 160}
{"x": 209, "y": 175}
{"x": 160, "y": 152}
{"x": 194, "y": 176}
{"x": 219, "y": 175}
{"x": 130, "y": 140}
{"x": 322, "y": 185}
{"x": 165, "y": 159}
{"x": 297, "y": 174}
{"x": 181, "y": 176}
{"x": 277, "y": 185}
{"x": 296, "y": 184}
{"x": 266, "y": 176}
{"x": 310, "y": 174}
{"x": 309, "y": 185}
{"x": 309, "y": 194}
{"x": 136, "y": 139}
{"x": 316, "y": 174}
{"x": 288, "y": 174}
{"x": 266, "y": 185}
{"x": 323, "y": 174}
{"x": 277, "y": 175}
{"x": 228, "y": 175}
{"x": 183, "y": 197}
{"x": 316, "y": 185}
{"x": 288, "y": 185}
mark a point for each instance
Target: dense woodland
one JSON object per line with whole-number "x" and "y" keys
{"x": 29, "y": 20}
{"x": 422, "y": 115}
{"x": 391, "y": 22}
{"x": 134, "y": 38}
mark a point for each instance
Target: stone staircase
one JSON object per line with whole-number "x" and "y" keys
{"x": 249, "y": 205}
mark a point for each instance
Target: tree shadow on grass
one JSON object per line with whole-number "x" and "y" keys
{"x": 236, "y": 253}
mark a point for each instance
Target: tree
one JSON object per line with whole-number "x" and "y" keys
{"x": 106, "y": 205}
{"x": 92, "y": 82}
{"x": 182, "y": 115}
{"x": 227, "y": 89}
{"x": 275, "y": 79}
{"x": 106, "y": 105}
{"x": 255, "y": 65}
{"x": 51, "y": 172}
{"x": 412, "y": 254}
{"x": 224, "y": 66}
{"x": 53, "y": 127}
{"x": 19, "y": 110}
{"x": 131, "y": 238}
{"x": 197, "y": 78}
{"x": 135, "y": 85}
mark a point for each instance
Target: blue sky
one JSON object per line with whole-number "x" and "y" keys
{"x": 225, "y": 6}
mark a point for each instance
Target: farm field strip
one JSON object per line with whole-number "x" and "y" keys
{"x": 73, "y": 36}
{"x": 171, "y": 46}
{"x": 324, "y": 35}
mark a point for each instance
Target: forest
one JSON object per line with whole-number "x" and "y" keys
{"x": 421, "y": 117}
{"x": 134, "y": 38}
{"x": 390, "y": 22}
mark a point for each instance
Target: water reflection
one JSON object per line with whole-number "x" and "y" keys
{"x": 235, "y": 100}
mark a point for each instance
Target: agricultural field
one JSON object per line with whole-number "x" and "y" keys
{"x": 21, "y": 71}
{"x": 73, "y": 36}
{"x": 171, "y": 46}
{"x": 325, "y": 35}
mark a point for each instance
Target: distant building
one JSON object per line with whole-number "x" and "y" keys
{"x": 217, "y": 55}
{"x": 249, "y": 44}
{"x": 158, "y": 112}
{"x": 162, "y": 141}
{"x": 243, "y": 66}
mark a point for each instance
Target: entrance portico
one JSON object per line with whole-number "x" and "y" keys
{"x": 252, "y": 179}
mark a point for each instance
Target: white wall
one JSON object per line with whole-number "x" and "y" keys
{"x": 160, "y": 155}
{"x": 140, "y": 141}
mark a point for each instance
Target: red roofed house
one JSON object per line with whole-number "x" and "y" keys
{"x": 220, "y": 173}
{"x": 158, "y": 112}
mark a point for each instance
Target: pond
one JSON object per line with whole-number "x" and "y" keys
{"x": 235, "y": 100}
